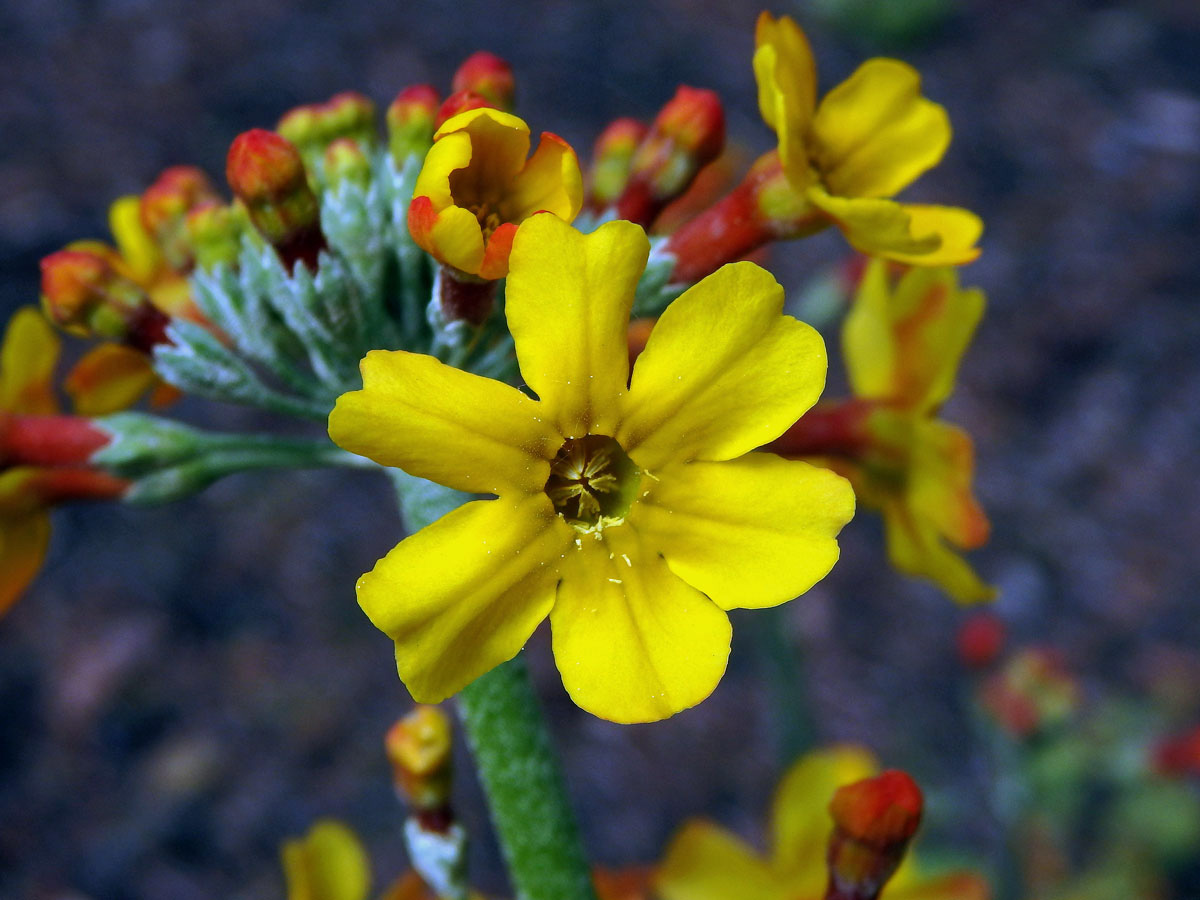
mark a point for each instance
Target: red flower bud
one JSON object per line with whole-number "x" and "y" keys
{"x": 458, "y": 102}
{"x": 1178, "y": 756}
{"x": 165, "y": 205}
{"x": 612, "y": 157}
{"x": 981, "y": 639}
{"x": 488, "y": 76}
{"x": 83, "y": 294}
{"x": 314, "y": 126}
{"x": 874, "y": 821}
{"x": 267, "y": 174}
{"x": 410, "y": 121}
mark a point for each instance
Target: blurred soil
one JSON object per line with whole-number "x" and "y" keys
{"x": 185, "y": 687}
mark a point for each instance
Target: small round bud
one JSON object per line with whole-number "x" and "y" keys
{"x": 981, "y": 640}
{"x": 874, "y": 821}
{"x": 165, "y": 205}
{"x": 489, "y": 76}
{"x": 314, "y": 126}
{"x": 418, "y": 747}
{"x": 458, "y": 102}
{"x": 612, "y": 157}
{"x": 345, "y": 161}
{"x": 410, "y": 121}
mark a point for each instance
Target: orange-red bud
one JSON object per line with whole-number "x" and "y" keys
{"x": 410, "y": 121}
{"x": 874, "y": 821}
{"x": 612, "y": 157}
{"x": 419, "y": 748}
{"x": 48, "y": 441}
{"x": 83, "y": 293}
{"x": 687, "y": 134}
{"x": 344, "y": 160}
{"x": 165, "y": 205}
{"x": 215, "y": 232}
{"x": 459, "y": 102}
{"x": 267, "y": 174}
{"x": 312, "y": 127}
{"x": 1179, "y": 756}
{"x": 489, "y": 76}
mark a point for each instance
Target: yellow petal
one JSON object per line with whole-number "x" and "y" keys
{"x": 463, "y": 595}
{"x": 958, "y": 229}
{"x": 23, "y": 542}
{"x": 874, "y": 133}
{"x": 750, "y": 532}
{"x": 800, "y": 822}
{"x": 448, "y": 155}
{"x": 722, "y": 373}
{"x": 328, "y": 863}
{"x": 915, "y": 548}
{"x": 139, "y": 253}
{"x": 467, "y": 432}
{"x": 500, "y": 143}
{"x": 787, "y": 87}
{"x": 567, "y": 299}
{"x": 550, "y": 181}
{"x": 939, "y": 488}
{"x": 27, "y": 359}
{"x": 705, "y": 862}
{"x": 632, "y": 641}
{"x": 868, "y": 339}
{"x": 108, "y": 378}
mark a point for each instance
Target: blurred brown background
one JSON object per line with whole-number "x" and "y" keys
{"x": 184, "y": 687}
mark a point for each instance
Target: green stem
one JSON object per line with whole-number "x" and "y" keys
{"x": 787, "y": 685}
{"x": 524, "y": 786}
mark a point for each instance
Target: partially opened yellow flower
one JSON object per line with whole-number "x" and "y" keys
{"x": 867, "y": 139}
{"x": 328, "y": 863}
{"x": 902, "y": 348}
{"x": 632, "y": 513}
{"x": 477, "y": 186}
{"x": 706, "y": 862}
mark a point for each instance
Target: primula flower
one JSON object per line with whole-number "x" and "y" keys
{"x": 42, "y": 456}
{"x": 866, "y": 140}
{"x": 706, "y": 862}
{"x": 632, "y": 513}
{"x": 902, "y": 348}
{"x": 477, "y": 186}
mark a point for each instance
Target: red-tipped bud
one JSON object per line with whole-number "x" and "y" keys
{"x": 612, "y": 157}
{"x": 489, "y": 76}
{"x": 981, "y": 640}
{"x": 1032, "y": 693}
{"x": 458, "y": 102}
{"x": 1178, "y": 756}
{"x": 267, "y": 174}
{"x": 48, "y": 441}
{"x": 410, "y": 121}
{"x": 345, "y": 161}
{"x": 687, "y": 134}
{"x": 874, "y": 821}
{"x": 215, "y": 233}
{"x": 313, "y": 127}
{"x": 25, "y": 489}
{"x": 83, "y": 294}
{"x": 419, "y": 748}
{"x": 164, "y": 207}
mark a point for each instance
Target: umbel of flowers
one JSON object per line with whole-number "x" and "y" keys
{"x": 457, "y": 310}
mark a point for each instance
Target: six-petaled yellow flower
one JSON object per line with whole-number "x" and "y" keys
{"x": 632, "y": 512}
{"x": 476, "y": 186}
{"x": 706, "y": 862}
{"x": 867, "y": 139}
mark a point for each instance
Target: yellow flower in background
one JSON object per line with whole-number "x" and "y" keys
{"x": 632, "y": 513}
{"x": 902, "y": 347}
{"x": 706, "y": 862}
{"x": 476, "y": 186}
{"x": 328, "y": 863}
{"x": 866, "y": 140}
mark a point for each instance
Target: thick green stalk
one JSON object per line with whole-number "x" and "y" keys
{"x": 524, "y": 784}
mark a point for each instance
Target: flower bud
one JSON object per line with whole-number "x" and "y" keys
{"x": 1033, "y": 693}
{"x": 488, "y": 76}
{"x": 1178, "y": 756}
{"x": 612, "y": 156}
{"x": 458, "y": 102}
{"x": 267, "y": 174}
{"x": 164, "y": 207}
{"x": 981, "y": 640}
{"x": 215, "y": 233}
{"x": 874, "y": 821}
{"x": 314, "y": 126}
{"x": 410, "y": 122}
{"x": 418, "y": 747}
{"x": 344, "y": 161}
{"x": 48, "y": 440}
{"x": 688, "y": 133}
{"x": 82, "y": 293}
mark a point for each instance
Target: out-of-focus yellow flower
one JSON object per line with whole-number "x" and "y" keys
{"x": 477, "y": 186}
{"x": 631, "y": 513}
{"x": 30, "y": 431}
{"x": 706, "y": 862}
{"x": 902, "y": 348}
{"x": 867, "y": 139}
{"x": 328, "y": 863}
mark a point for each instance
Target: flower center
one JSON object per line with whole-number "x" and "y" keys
{"x": 592, "y": 482}
{"x": 489, "y": 219}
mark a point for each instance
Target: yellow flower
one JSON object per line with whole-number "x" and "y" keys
{"x": 868, "y": 138}
{"x": 706, "y": 862}
{"x": 328, "y": 863}
{"x": 477, "y": 186}
{"x": 630, "y": 513}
